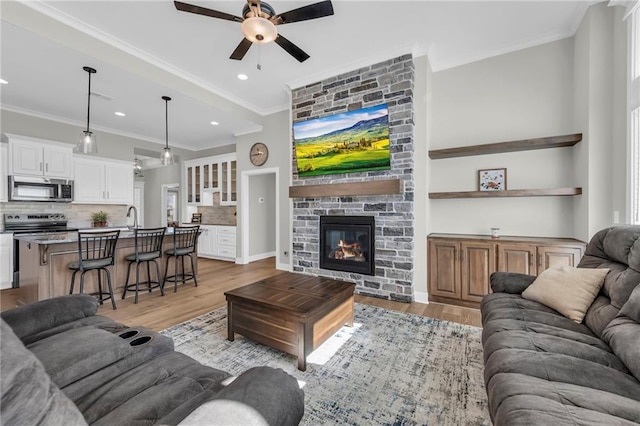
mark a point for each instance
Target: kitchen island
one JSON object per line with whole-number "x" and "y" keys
{"x": 45, "y": 259}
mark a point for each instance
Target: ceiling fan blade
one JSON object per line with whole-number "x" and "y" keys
{"x": 304, "y": 13}
{"x": 241, "y": 50}
{"x": 291, "y": 48}
{"x": 198, "y": 10}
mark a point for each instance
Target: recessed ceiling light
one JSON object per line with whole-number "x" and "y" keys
{"x": 3, "y": 81}
{"x": 242, "y": 77}
{"x": 214, "y": 123}
{"x": 120, "y": 114}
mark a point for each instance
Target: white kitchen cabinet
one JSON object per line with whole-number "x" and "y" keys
{"x": 204, "y": 176}
{"x": 6, "y": 260}
{"x": 102, "y": 181}
{"x": 205, "y": 241}
{"x": 36, "y": 157}
{"x": 226, "y": 242}
{"x": 4, "y": 171}
{"x": 217, "y": 242}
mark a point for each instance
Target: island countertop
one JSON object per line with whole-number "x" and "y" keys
{"x": 45, "y": 258}
{"x": 72, "y": 236}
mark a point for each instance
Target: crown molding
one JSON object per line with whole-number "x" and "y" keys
{"x": 98, "y": 34}
{"x": 82, "y": 124}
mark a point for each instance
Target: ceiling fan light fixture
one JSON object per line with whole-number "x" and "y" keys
{"x": 87, "y": 144}
{"x": 259, "y": 30}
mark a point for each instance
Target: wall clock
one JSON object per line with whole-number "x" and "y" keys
{"x": 259, "y": 154}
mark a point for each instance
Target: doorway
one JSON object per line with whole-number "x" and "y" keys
{"x": 170, "y": 208}
{"x": 260, "y": 214}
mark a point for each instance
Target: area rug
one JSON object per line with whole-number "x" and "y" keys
{"x": 390, "y": 368}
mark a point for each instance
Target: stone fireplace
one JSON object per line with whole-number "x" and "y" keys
{"x": 347, "y": 243}
{"x": 390, "y": 274}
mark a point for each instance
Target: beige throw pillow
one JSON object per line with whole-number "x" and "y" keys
{"x": 570, "y": 291}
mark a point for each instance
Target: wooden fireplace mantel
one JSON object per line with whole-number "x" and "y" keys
{"x": 376, "y": 187}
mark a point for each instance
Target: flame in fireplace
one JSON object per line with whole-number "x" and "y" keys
{"x": 348, "y": 251}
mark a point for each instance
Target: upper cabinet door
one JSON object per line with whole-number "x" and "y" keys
{"x": 27, "y": 159}
{"x": 46, "y": 159}
{"x": 58, "y": 161}
{"x": 89, "y": 183}
{"x": 4, "y": 171}
{"x": 119, "y": 183}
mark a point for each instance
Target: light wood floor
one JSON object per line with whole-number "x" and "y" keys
{"x": 214, "y": 278}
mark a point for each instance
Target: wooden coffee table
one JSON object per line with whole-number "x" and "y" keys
{"x": 294, "y": 313}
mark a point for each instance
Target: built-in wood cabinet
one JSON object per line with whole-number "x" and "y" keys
{"x": 204, "y": 176}
{"x": 460, "y": 266}
{"x": 217, "y": 242}
{"x": 102, "y": 181}
{"x": 36, "y": 157}
{"x": 4, "y": 171}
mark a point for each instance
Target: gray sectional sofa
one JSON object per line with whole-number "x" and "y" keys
{"x": 543, "y": 369}
{"x": 61, "y": 364}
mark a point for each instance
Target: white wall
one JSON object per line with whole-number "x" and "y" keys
{"x": 262, "y": 221}
{"x": 525, "y": 94}
{"x": 600, "y": 60}
{"x": 276, "y": 135}
{"x": 421, "y": 111}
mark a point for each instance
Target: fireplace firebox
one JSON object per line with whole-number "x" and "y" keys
{"x": 347, "y": 243}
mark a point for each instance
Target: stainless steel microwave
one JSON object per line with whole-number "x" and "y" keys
{"x": 31, "y": 188}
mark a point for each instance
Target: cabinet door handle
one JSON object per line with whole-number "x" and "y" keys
{"x": 47, "y": 167}
{"x": 104, "y": 194}
{"x": 108, "y": 196}
{"x": 41, "y": 166}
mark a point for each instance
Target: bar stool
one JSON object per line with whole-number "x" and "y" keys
{"x": 95, "y": 253}
{"x": 148, "y": 248}
{"x": 185, "y": 239}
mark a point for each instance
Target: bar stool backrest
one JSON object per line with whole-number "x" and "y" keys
{"x": 185, "y": 237}
{"x": 97, "y": 245}
{"x": 148, "y": 241}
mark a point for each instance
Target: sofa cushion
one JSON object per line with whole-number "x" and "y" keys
{"x": 618, "y": 249}
{"x": 517, "y": 399}
{"x": 623, "y": 333}
{"x": 77, "y": 353}
{"x": 28, "y": 395}
{"x": 568, "y": 290}
{"x": 45, "y": 314}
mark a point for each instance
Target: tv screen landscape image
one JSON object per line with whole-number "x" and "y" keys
{"x": 354, "y": 141}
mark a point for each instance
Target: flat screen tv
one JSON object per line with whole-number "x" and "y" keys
{"x": 354, "y": 141}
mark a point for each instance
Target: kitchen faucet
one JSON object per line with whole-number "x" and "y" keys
{"x": 135, "y": 216}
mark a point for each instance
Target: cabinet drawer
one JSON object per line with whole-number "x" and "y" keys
{"x": 227, "y": 230}
{"x": 226, "y": 240}
{"x": 227, "y": 252}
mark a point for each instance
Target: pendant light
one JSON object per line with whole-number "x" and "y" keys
{"x": 137, "y": 167}
{"x": 167, "y": 156}
{"x": 87, "y": 143}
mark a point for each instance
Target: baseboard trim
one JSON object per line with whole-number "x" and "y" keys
{"x": 283, "y": 267}
{"x": 421, "y": 297}
{"x": 261, "y": 256}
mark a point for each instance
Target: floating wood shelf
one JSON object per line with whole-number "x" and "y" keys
{"x": 376, "y": 187}
{"x": 508, "y": 193}
{"x": 512, "y": 146}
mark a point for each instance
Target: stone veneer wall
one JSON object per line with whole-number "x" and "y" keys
{"x": 389, "y": 82}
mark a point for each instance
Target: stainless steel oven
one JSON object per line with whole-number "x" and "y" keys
{"x": 24, "y": 223}
{"x": 33, "y": 188}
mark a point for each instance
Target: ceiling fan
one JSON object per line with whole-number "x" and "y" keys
{"x": 259, "y": 22}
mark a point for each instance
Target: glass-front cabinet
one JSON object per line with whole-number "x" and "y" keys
{"x": 204, "y": 176}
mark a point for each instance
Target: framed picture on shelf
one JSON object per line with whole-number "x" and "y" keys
{"x": 492, "y": 180}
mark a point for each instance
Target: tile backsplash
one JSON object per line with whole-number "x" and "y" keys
{"x": 217, "y": 214}
{"x": 78, "y": 215}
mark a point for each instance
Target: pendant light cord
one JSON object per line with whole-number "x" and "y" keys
{"x": 166, "y": 123}
{"x": 89, "y": 101}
